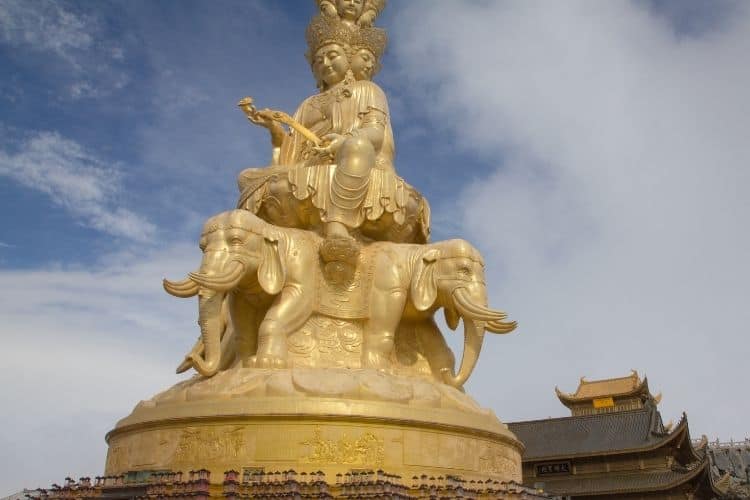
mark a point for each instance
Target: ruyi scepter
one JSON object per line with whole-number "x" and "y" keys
{"x": 272, "y": 120}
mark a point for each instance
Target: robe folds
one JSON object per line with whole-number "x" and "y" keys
{"x": 307, "y": 175}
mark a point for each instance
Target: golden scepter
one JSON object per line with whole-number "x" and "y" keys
{"x": 264, "y": 116}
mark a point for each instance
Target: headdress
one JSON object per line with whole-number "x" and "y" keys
{"x": 326, "y": 29}
{"x": 373, "y": 39}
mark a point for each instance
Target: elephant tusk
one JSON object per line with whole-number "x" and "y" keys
{"x": 473, "y": 338}
{"x": 222, "y": 282}
{"x": 474, "y": 311}
{"x": 451, "y": 317}
{"x": 186, "y": 364}
{"x": 185, "y": 288}
{"x": 500, "y": 327}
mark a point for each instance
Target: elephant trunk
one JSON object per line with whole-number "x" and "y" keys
{"x": 228, "y": 280}
{"x": 470, "y": 309}
{"x": 210, "y": 321}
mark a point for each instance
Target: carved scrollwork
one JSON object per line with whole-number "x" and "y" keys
{"x": 209, "y": 444}
{"x": 368, "y": 449}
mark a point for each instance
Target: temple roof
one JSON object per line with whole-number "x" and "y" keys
{"x": 730, "y": 463}
{"x": 620, "y": 483}
{"x": 611, "y": 387}
{"x": 599, "y": 434}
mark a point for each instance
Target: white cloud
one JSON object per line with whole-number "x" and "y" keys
{"x": 45, "y": 25}
{"x": 82, "y": 347}
{"x": 76, "y": 180}
{"x": 47, "y": 29}
{"x": 615, "y": 223}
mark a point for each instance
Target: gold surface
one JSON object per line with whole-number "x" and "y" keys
{"x": 318, "y": 345}
{"x": 604, "y": 403}
{"x": 334, "y": 434}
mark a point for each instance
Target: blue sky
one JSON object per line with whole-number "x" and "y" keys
{"x": 147, "y": 91}
{"x": 595, "y": 152}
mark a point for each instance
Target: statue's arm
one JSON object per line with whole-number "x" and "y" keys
{"x": 373, "y": 115}
{"x": 372, "y": 128}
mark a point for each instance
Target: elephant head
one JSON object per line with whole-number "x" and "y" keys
{"x": 239, "y": 251}
{"x": 451, "y": 274}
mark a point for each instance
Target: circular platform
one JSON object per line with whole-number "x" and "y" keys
{"x": 333, "y": 420}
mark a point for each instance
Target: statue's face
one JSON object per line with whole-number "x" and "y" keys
{"x": 363, "y": 64}
{"x": 330, "y": 64}
{"x": 350, "y": 10}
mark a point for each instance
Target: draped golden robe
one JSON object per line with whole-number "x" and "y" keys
{"x": 391, "y": 209}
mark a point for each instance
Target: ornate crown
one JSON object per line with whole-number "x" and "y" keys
{"x": 373, "y": 39}
{"x": 326, "y": 29}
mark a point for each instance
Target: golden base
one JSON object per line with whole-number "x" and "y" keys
{"x": 308, "y": 433}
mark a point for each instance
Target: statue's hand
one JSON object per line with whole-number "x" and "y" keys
{"x": 331, "y": 144}
{"x": 264, "y": 119}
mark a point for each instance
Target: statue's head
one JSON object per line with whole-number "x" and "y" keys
{"x": 364, "y": 63}
{"x": 330, "y": 63}
{"x": 368, "y": 47}
{"x": 350, "y": 10}
{"x": 358, "y": 49}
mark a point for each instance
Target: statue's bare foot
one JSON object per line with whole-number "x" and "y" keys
{"x": 267, "y": 362}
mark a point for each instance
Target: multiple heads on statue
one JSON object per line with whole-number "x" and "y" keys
{"x": 352, "y": 12}
{"x": 357, "y": 48}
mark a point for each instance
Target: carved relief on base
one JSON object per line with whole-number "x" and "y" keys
{"x": 147, "y": 450}
{"x": 494, "y": 459}
{"x": 334, "y": 447}
{"x": 209, "y": 444}
{"x": 366, "y": 450}
{"x": 437, "y": 449}
{"x": 117, "y": 458}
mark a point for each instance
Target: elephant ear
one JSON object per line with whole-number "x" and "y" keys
{"x": 271, "y": 273}
{"x": 423, "y": 285}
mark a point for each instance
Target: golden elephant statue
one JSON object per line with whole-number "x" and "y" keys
{"x": 272, "y": 280}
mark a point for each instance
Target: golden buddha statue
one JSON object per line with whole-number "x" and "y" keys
{"x": 345, "y": 187}
{"x": 317, "y": 297}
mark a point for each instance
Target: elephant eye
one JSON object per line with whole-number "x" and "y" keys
{"x": 464, "y": 271}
